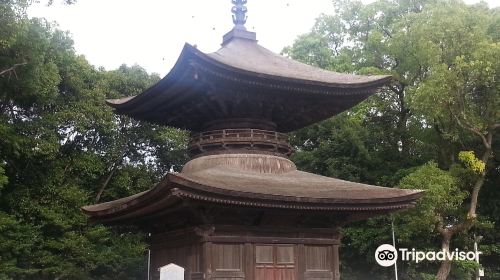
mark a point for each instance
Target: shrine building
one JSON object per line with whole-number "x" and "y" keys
{"x": 240, "y": 209}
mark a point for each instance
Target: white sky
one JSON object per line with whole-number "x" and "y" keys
{"x": 151, "y": 33}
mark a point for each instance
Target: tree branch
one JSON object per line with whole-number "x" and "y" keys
{"x": 464, "y": 124}
{"x": 109, "y": 176}
{"x": 440, "y": 226}
{"x": 386, "y": 32}
{"x": 397, "y": 89}
{"x": 12, "y": 69}
{"x": 494, "y": 126}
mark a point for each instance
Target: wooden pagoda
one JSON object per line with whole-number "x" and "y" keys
{"x": 240, "y": 209}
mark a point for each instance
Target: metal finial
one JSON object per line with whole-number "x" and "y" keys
{"x": 239, "y": 10}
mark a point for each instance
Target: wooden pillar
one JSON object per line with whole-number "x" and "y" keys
{"x": 207, "y": 259}
{"x": 301, "y": 261}
{"x": 336, "y": 262}
{"x": 249, "y": 261}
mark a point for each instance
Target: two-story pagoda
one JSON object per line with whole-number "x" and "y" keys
{"x": 240, "y": 209}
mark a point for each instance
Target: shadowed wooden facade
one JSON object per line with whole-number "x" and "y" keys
{"x": 306, "y": 254}
{"x": 240, "y": 209}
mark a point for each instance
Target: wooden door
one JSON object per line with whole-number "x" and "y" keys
{"x": 227, "y": 262}
{"x": 275, "y": 262}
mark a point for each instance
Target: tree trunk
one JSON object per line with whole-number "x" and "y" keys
{"x": 445, "y": 268}
{"x": 114, "y": 167}
{"x": 477, "y": 186}
{"x": 105, "y": 183}
{"x": 447, "y": 234}
{"x": 403, "y": 114}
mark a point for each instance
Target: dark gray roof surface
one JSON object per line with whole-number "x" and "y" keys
{"x": 249, "y": 56}
{"x": 256, "y": 181}
{"x": 245, "y": 80}
{"x": 257, "y": 175}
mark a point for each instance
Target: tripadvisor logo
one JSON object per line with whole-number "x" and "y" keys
{"x": 387, "y": 255}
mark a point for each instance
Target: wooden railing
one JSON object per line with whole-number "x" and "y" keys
{"x": 239, "y": 139}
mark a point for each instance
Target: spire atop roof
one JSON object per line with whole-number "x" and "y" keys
{"x": 239, "y": 10}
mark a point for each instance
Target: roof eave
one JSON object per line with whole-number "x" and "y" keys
{"x": 171, "y": 190}
{"x": 382, "y": 79}
{"x": 189, "y": 52}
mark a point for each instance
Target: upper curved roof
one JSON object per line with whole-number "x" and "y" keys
{"x": 247, "y": 55}
{"x": 245, "y": 80}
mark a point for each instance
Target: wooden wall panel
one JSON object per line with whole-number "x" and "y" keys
{"x": 227, "y": 256}
{"x": 301, "y": 262}
{"x": 319, "y": 260}
{"x": 264, "y": 254}
{"x": 187, "y": 256}
{"x": 227, "y": 261}
{"x": 273, "y": 273}
{"x": 263, "y": 273}
{"x": 336, "y": 262}
{"x": 275, "y": 262}
{"x": 285, "y": 274}
{"x": 285, "y": 254}
{"x": 249, "y": 261}
{"x": 238, "y": 255}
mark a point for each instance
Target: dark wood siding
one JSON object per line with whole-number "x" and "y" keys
{"x": 187, "y": 256}
{"x": 247, "y": 255}
{"x": 227, "y": 262}
{"x": 318, "y": 262}
{"x": 275, "y": 262}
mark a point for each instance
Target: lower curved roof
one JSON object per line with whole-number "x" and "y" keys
{"x": 257, "y": 181}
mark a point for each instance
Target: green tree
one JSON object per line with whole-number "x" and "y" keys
{"x": 61, "y": 148}
{"x": 462, "y": 92}
{"x": 440, "y": 206}
{"x": 443, "y": 56}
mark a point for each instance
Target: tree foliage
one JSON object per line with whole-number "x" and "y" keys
{"x": 61, "y": 148}
{"x": 435, "y": 127}
{"x": 441, "y": 107}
